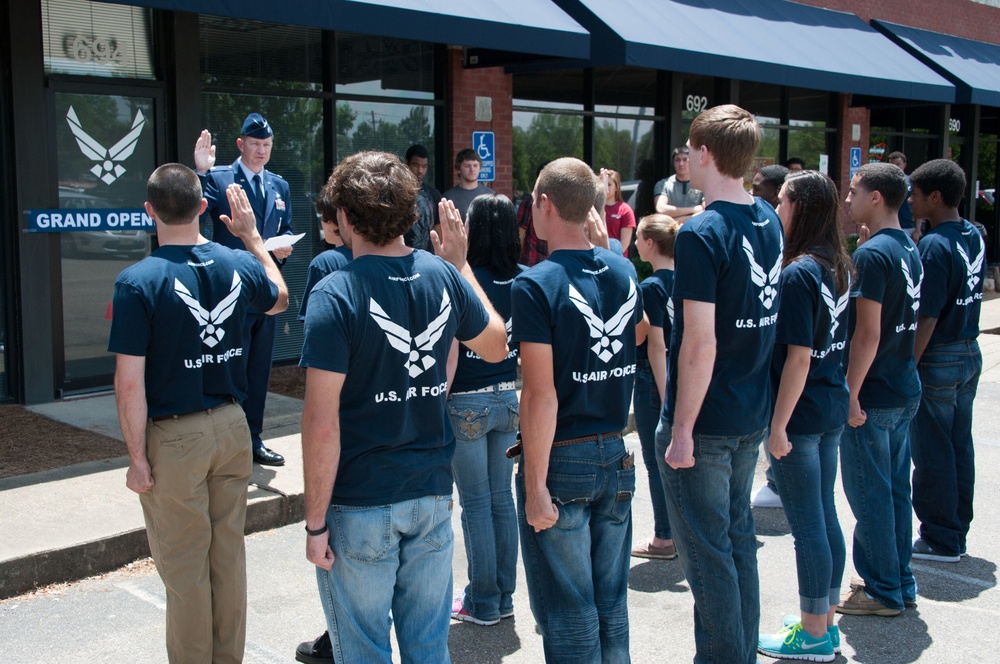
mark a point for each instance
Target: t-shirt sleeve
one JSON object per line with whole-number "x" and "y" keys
{"x": 529, "y": 312}
{"x": 628, "y": 216}
{"x": 873, "y": 272}
{"x": 473, "y": 317}
{"x": 130, "y": 325}
{"x": 696, "y": 271}
{"x": 265, "y": 292}
{"x": 654, "y": 302}
{"x": 796, "y": 311}
{"x": 327, "y": 333}
{"x": 659, "y": 189}
{"x": 313, "y": 277}
{"x": 935, "y": 258}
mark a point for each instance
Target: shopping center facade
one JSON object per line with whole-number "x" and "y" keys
{"x": 97, "y": 94}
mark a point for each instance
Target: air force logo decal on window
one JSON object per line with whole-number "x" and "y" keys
{"x": 417, "y": 349}
{"x": 211, "y": 321}
{"x": 606, "y": 347}
{"x": 767, "y": 282}
{"x": 108, "y": 167}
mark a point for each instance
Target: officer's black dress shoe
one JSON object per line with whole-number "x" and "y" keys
{"x": 266, "y": 457}
{"x": 319, "y": 651}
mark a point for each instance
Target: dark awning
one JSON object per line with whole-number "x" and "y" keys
{"x": 974, "y": 67}
{"x": 522, "y": 26}
{"x": 770, "y": 41}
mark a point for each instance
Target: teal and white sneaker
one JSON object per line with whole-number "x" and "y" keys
{"x": 833, "y": 631}
{"x": 794, "y": 642}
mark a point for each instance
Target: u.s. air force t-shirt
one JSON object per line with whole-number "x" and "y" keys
{"x": 473, "y": 372}
{"x": 889, "y": 272}
{"x": 324, "y": 264}
{"x": 585, "y": 304}
{"x": 182, "y": 308}
{"x": 954, "y": 259}
{"x": 812, "y": 315}
{"x": 388, "y": 324}
{"x": 730, "y": 255}
{"x": 659, "y": 308}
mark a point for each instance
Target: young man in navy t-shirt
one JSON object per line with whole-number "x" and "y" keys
{"x": 334, "y": 258}
{"x": 947, "y": 352}
{"x": 727, "y": 269}
{"x": 377, "y": 440}
{"x": 885, "y": 391}
{"x": 575, "y": 316}
{"x": 179, "y": 377}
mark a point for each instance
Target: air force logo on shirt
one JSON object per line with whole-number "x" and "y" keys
{"x": 836, "y": 306}
{"x": 912, "y": 289}
{"x": 766, "y": 281}
{"x": 417, "y": 348}
{"x": 606, "y": 346}
{"x": 973, "y": 268}
{"x": 211, "y": 321}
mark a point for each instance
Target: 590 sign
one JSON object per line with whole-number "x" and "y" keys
{"x": 86, "y": 49}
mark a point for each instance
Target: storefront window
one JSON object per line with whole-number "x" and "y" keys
{"x": 382, "y": 66}
{"x": 297, "y": 156}
{"x": 383, "y": 126}
{"x": 561, "y": 89}
{"x": 97, "y": 39}
{"x": 251, "y": 54}
{"x": 697, "y": 95}
{"x": 622, "y": 145}
{"x": 625, "y": 91}
{"x": 124, "y": 129}
{"x": 540, "y": 138}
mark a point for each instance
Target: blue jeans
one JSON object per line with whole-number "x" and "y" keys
{"x": 875, "y": 463}
{"x": 806, "y": 478}
{"x": 485, "y": 426}
{"x": 578, "y": 570}
{"x": 944, "y": 459}
{"x": 709, "y": 507}
{"x": 389, "y": 559}
{"x": 646, "y": 406}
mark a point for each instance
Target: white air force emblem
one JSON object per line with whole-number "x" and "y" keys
{"x": 509, "y": 329}
{"x": 973, "y": 268}
{"x": 108, "y": 166}
{"x": 210, "y": 321}
{"x": 768, "y": 283}
{"x": 670, "y": 311}
{"x": 913, "y": 290}
{"x": 836, "y": 306}
{"x": 606, "y": 347}
{"x": 417, "y": 349}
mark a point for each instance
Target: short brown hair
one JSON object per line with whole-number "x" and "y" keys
{"x": 887, "y": 179}
{"x": 174, "y": 193}
{"x": 377, "y": 193}
{"x": 731, "y": 134}
{"x": 614, "y": 176}
{"x": 324, "y": 202}
{"x": 468, "y": 154}
{"x": 571, "y": 187}
{"x": 662, "y": 230}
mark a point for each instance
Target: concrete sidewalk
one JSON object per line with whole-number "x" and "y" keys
{"x": 73, "y": 522}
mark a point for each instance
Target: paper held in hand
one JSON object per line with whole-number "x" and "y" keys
{"x": 281, "y": 241}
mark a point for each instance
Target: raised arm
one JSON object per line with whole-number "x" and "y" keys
{"x": 243, "y": 225}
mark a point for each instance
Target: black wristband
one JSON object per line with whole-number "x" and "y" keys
{"x": 318, "y": 531}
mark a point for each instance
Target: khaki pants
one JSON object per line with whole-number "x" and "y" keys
{"x": 195, "y": 515}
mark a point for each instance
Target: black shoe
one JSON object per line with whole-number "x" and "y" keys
{"x": 266, "y": 457}
{"x": 319, "y": 651}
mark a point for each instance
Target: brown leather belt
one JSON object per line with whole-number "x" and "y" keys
{"x": 515, "y": 450}
{"x": 228, "y": 401}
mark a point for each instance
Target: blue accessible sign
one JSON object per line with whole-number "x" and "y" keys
{"x": 483, "y": 144}
{"x": 855, "y": 160}
{"x": 103, "y": 219}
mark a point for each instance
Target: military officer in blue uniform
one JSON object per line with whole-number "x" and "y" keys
{"x": 270, "y": 200}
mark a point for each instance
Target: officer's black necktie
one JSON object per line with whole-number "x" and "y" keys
{"x": 258, "y": 189}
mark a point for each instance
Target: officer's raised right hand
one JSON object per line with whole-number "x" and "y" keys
{"x": 204, "y": 153}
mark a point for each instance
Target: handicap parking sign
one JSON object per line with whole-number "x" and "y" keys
{"x": 483, "y": 144}
{"x": 855, "y": 160}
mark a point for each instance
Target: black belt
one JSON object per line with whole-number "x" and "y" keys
{"x": 515, "y": 450}
{"x": 228, "y": 401}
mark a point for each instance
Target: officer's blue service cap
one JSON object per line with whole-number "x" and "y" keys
{"x": 255, "y": 126}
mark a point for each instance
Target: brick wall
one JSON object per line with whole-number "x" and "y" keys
{"x": 464, "y": 86}
{"x": 961, "y": 18}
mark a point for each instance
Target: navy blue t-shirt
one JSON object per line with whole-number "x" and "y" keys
{"x": 585, "y": 304}
{"x": 730, "y": 255}
{"x": 474, "y": 372}
{"x": 889, "y": 272}
{"x": 656, "y": 290}
{"x": 387, "y": 323}
{"x": 183, "y": 308}
{"x": 324, "y": 264}
{"x": 954, "y": 259}
{"x": 813, "y": 316}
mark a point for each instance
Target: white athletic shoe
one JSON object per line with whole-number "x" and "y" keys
{"x": 765, "y": 497}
